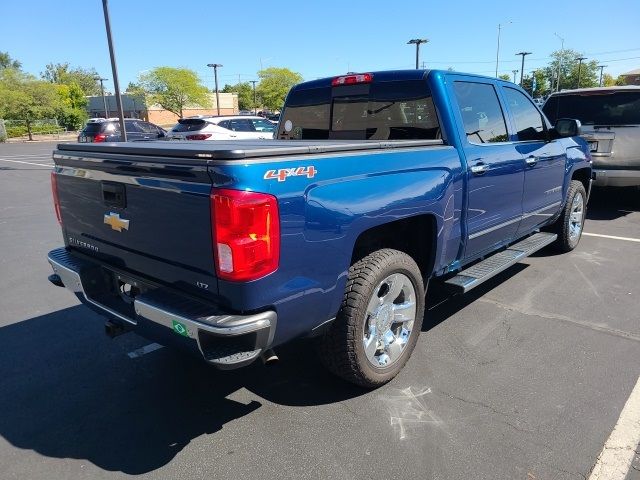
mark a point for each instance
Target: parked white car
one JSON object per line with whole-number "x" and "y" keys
{"x": 239, "y": 127}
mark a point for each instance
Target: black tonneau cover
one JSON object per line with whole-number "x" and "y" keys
{"x": 237, "y": 149}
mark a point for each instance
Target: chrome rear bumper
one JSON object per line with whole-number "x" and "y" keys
{"x": 616, "y": 177}
{"x": 224, "y": 340}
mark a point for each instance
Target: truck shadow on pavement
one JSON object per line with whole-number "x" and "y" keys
{"x": 612, "y": 203}
{"x": 70, "y": 392}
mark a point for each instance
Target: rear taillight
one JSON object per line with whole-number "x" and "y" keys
{"x": 198, "y": 136}
{"x": 246, "y": 234}
{"x": 352, "y": 79}
{"x": 100, "y": 137}
{"x": 56, "y": 201}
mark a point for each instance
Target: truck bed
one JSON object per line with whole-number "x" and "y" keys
{"x": 237, "y": 149}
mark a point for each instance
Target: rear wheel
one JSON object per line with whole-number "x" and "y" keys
{"x": 379, "y": 321}
{"x": 571, "y": 222}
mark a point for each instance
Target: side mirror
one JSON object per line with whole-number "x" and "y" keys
{"x": 568, "y": 127}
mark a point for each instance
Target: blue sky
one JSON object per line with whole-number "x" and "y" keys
{"x": 315, "y": 38}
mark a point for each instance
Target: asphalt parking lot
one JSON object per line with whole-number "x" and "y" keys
{"x": 524, "y": 378}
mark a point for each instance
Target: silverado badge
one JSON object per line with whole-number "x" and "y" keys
{"x": 115, "y": 222}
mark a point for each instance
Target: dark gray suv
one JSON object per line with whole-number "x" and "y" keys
{"x": 109, "y": 131}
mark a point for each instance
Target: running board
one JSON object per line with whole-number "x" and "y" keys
{"x": 493, "y": 265}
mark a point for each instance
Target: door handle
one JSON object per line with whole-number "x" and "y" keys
{"x": 531, "y": 160}
{"x": 479, "y": 169}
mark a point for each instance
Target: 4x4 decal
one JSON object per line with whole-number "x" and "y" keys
{"x": 282, "y": 174}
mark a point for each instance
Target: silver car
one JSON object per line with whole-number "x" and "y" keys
{"x": 610, "y": 119}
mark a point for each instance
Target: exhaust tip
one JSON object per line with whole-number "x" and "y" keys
{"x": 55, "y": 279}
{"x": 269, "y": 357}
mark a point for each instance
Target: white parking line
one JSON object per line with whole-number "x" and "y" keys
{"x": 152, "y": 347}
{"x": 613, "y": 237}
{"x": 617, "y": 454}
{"x": 28, "y": 163}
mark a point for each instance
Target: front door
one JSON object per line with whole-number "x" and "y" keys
{"x": 544, "y": 162}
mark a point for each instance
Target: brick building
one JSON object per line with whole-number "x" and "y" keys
{"x": 632, "y": 77}
{"x": 136, "y": 107}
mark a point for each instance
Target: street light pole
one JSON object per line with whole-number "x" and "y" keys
{"x": 601, "y": 67}
{"x": 215, "y": 67}
{"x": 524, "y": 54}
{"x": 104, "y": 99}
{"x": 514, "y": 75}
{"x": 417, "y": 42}
{"x": 255, "y": 103}
{"x": 116, "y": 85}
{"x": 559, "y": 61}
{"x": 498, "y": 48}
{"x": 580, "y": 59}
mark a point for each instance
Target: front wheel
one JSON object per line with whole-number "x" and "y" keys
{"x": 571, "y": 222}
{"x": 379, "y": 320}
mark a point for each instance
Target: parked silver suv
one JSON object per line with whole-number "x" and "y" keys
{"x": 610, "y": 119}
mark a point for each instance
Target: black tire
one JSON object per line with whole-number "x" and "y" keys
{"x": 564, "y": 226}
{"x": 341, "y": 348}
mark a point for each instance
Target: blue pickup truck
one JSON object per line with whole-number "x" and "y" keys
{"x": 377, "y": 184}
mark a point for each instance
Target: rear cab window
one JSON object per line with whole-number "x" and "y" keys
{"x": 615, "y": 108}
{"x": 527, "y": 119}
{"x": 389, "y": 110}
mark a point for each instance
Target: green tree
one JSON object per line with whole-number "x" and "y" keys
{"x": 64, "y": 74}
{"x": 7, "y": 62}
{"x": 71, "y": 112}
{"x": 274, "y": 85}
{"x": 505, "y": 76}
{"x": 566, "y": 62}
{"x": 244, "y": 90}
{"x": 174, "y": 88}
{"x": 541, "y": 84}
{"x": 22, "y": 97}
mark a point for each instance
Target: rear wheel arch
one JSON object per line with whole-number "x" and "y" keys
{"x": 415, "y": 236}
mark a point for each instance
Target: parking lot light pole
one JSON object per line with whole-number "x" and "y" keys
{"x": 601, "y": 67}
{"x": 524, "y": 54}
{"x": 559, "y": 61}
{"x": 498, "y": 47}
{"x": 580, "y": 59}
{"x": 215, "y": 67}
{"x": 417, "y": 42}
{"x": 104, "y": 99}
{"x": 116, "y": 86}
{"x": 255, "y": 103}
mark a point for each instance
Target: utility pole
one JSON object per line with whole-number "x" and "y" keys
{"x": 514, "y": 75}
{"x": 116, "y": 85}
{"x": 255, "y": 103}
{"x": 580, "y": 59}
{"x": 417, "y": 42}
{"x": 104, "y": 99}
{"x": 215, "y": 67}
{"x": 524, "y": 54}
{"x": 559, "y": 61}
{"x": 498, "y": 48}
{"x": 601, "y": 67}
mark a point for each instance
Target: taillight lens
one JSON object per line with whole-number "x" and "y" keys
{"x": 246, "y": 234}
{"x": 100, "y": 137}
{"x": 56, "y": 202}
{"x": 198, "y": 136}
{"x": 352, "y": 79}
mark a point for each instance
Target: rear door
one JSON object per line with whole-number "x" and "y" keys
{"x": 495, "y": 166}
{"x": 544, "y": 161}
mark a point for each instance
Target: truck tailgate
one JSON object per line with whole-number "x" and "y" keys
{"x": 148, "y": 216}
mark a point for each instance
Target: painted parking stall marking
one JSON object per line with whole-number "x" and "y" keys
{"x": 617, "y": 454}
{"x": 50, "y": 165}
{"x": 612, "y": 237}
{"x": 152, "y": 347}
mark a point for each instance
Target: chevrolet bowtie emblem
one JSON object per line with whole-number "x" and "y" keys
{"x": 115, "y": 222}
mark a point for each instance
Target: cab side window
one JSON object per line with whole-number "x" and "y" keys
{"x": 527, "y": 118}
{"x": 481, "y": 112}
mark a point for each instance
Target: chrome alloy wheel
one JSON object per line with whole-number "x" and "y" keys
{"x": 576, "y": 218}
{"x": 390, "y": 317}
